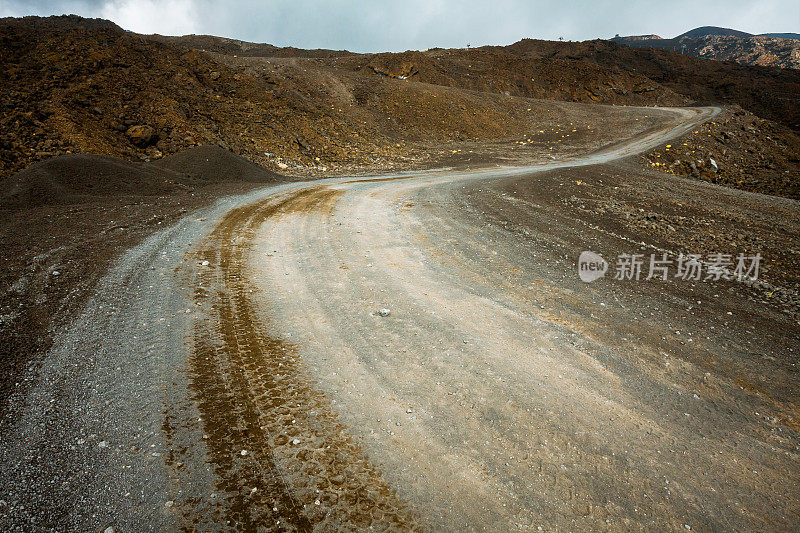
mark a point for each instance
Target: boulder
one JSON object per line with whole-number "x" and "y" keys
{"x": 140, "y": 135}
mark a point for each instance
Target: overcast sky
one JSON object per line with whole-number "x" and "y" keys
{"x": 376, "y": 25}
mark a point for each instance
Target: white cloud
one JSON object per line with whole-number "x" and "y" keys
{"x": 175, "y": 17}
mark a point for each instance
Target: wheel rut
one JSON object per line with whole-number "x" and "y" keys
{"x": 282, "y": 459}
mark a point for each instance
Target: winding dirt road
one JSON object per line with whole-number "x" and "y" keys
{"x": 495, "y": 391}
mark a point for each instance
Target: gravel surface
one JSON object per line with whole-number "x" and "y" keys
{"x": 87, "y": 446}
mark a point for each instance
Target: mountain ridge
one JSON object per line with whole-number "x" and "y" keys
{"x": 73, "y": 85}
{"x": 780, "y": 50}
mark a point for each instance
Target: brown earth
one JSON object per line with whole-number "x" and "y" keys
{"x": 298, "y": 450}
{"x": 500, "y": 389}
{"x": 85, "y": 86}
{"x": 222, "y": 45}
{"x": 607, "y": 72}
{"x": 73, "y": 213}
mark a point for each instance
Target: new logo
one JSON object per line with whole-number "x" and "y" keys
{"x": 591, "y": 266}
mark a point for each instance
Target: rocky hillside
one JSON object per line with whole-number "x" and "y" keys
{"x": 223, "y": 45}
{"x": 769, "y": 50}
{"x": 73, "y": 85}
{"x": 739, "y": 150}
{"x": 591, "y": 71}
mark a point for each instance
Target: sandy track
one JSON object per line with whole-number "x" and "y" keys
{"x": 470, "y": 406}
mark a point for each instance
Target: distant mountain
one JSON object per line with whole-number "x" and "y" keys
{"x": 725, "y": 44}
{"x": 707, "y": 31}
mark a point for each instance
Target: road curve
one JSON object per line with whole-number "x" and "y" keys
{"x": 270, "y": 391}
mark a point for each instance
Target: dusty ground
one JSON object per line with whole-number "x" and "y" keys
{"x": 502, "y": 392}
{"x": 499, "y": 392}
{"x": 86, "y": 444}
{"x": 145, "y": 389}
{"x": 73, "y": 214}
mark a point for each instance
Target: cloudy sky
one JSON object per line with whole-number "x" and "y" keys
{"x": 373, "y": 25}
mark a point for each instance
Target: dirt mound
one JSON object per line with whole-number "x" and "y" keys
{"x": 71, "y": 178}
{"x": 412, "y": 64}
{"x": 771, "y": 93}
{"x": 213, "y": 164}
{"x": 63, "y": 220}
{"x": 69, "y": 87}
{"x": 601, "y": 72}
{"x": 58, "y": 22}
{"x": 74, "y": 88}
{"x": 503, "y": 70}
{"x": 74, "y": 178}
{"x": 707, "y": 31}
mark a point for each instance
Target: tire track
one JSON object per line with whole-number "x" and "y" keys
{"x": 280, "y": 455}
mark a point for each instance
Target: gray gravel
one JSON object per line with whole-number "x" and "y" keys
{"x": 85, "y": 449}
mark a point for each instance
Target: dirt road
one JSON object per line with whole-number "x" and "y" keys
{"x": 418, "y": 352}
